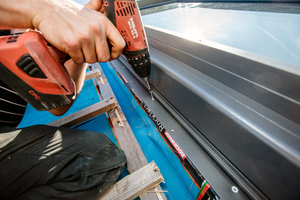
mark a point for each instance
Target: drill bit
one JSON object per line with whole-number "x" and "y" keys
{"x": 149, "y": 87}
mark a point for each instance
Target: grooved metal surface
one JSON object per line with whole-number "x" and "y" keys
{"x": 261, "y": 143}
{"x": 214, "y": 174}
{"x": 230, "y": 78}
{"x": 267, "y": 81}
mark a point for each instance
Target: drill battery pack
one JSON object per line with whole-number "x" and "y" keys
{"x": 34, "y": 69}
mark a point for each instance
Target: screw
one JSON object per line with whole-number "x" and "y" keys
{"x": 234, "y": 189}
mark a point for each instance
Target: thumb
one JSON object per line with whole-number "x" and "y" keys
{"x": 96, "y": 5}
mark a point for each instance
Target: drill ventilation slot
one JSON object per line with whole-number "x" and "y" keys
{"x": 125, "y": 8}
{"x": 65, "y": 88}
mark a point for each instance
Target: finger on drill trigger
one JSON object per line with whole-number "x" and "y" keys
{"x": 117, "y": 50}
{"x": 102, "y": 9}
{"x": 96, "y": 5}
{"x": 89, "y": 52}
{"x": 102, "y": 50}
{"x": 117, "y": 43}
{"x": 109, "y": 46}
{"x": 77, "y": 56}
{"x": 110, "y": 49}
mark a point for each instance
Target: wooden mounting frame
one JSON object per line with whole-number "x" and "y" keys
{"x": 136, "y": 159}
{"x": 135, "y": 156}
{"x": 135, "y": 184}
{"x": 92, "y": 74}
{"x": 87, "y": 113}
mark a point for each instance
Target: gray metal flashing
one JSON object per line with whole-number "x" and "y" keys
{"x": 241, "y": 6}
{"x": 242, "y": 1}
{"x": 212, "y": 172}
{"x": 250, "y": 74}
{"x": 240, "y": 128}
{"x": 229, "y": 83}
{"x": 243, "y": 135}
{"x": 283, "y": 6}
{"x": 153, "y": 3}
{"x": 228, "y": 167}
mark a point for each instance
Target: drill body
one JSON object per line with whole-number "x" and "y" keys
{"x": 125, "y": 15}
{"x": 34, "y": 69}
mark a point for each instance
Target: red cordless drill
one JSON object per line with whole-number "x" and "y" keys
{"x": 125, "y": 15}
{"x": 34, "y": 69}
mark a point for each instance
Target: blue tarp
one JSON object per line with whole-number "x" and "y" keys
{"x": 87, "y": 97}
{"x": 177, "y": 181}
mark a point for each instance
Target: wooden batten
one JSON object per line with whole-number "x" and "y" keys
{"x": 135, "y": 184}
{"x": 87, "y": 113}
{"x": 92, "y": 74}
{"x": 135, "y": 156}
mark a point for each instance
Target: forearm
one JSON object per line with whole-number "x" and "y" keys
{"x": 18, "y": 13}
{"x": 30, "y": 13}
{"x": 79, "y": 31}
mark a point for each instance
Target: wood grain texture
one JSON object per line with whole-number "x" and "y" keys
{"x": 135, "y": 184}
{"x": 135, "y": 156}
{"x": 92, "y": 74}
{"x": 86, "y": 113}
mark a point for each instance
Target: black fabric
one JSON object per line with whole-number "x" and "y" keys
{"x": 43, "y": 162}
{"x": 12, "y": 106}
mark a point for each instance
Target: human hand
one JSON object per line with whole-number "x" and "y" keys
{"x": 96, "y": 5}
{"x": 77, "y": 70}
{"x": 82, "y": 32}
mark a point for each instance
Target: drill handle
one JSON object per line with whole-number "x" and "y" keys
{"x": 60, "y": 56}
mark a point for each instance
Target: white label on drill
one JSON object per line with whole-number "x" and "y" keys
{"x": 134, "y": 32}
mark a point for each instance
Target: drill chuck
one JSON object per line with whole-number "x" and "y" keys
{"x": 141, "y": 64}
{"x": 125, "y": 15}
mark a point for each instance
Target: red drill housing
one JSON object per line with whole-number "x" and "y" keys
{"x": 34, "y": 69}
{"x": 125, "y": 16}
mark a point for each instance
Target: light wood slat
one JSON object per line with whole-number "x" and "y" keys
{"x": 86, "y": 113}
{"x": 135, "y": 184}
{"x": 92, "y": 74}
{"x": 135, "y": 156}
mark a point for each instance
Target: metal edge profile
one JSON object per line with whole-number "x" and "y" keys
{"x": 279, "y": 127}
{"x": 168, "y": 37}
{"x": 153, "y": 3}
{"x": 227, "y": 166}
{"x": 239, "y": 1}
{"x": 226, "y": 72}
{"x": 248, "y": 189}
